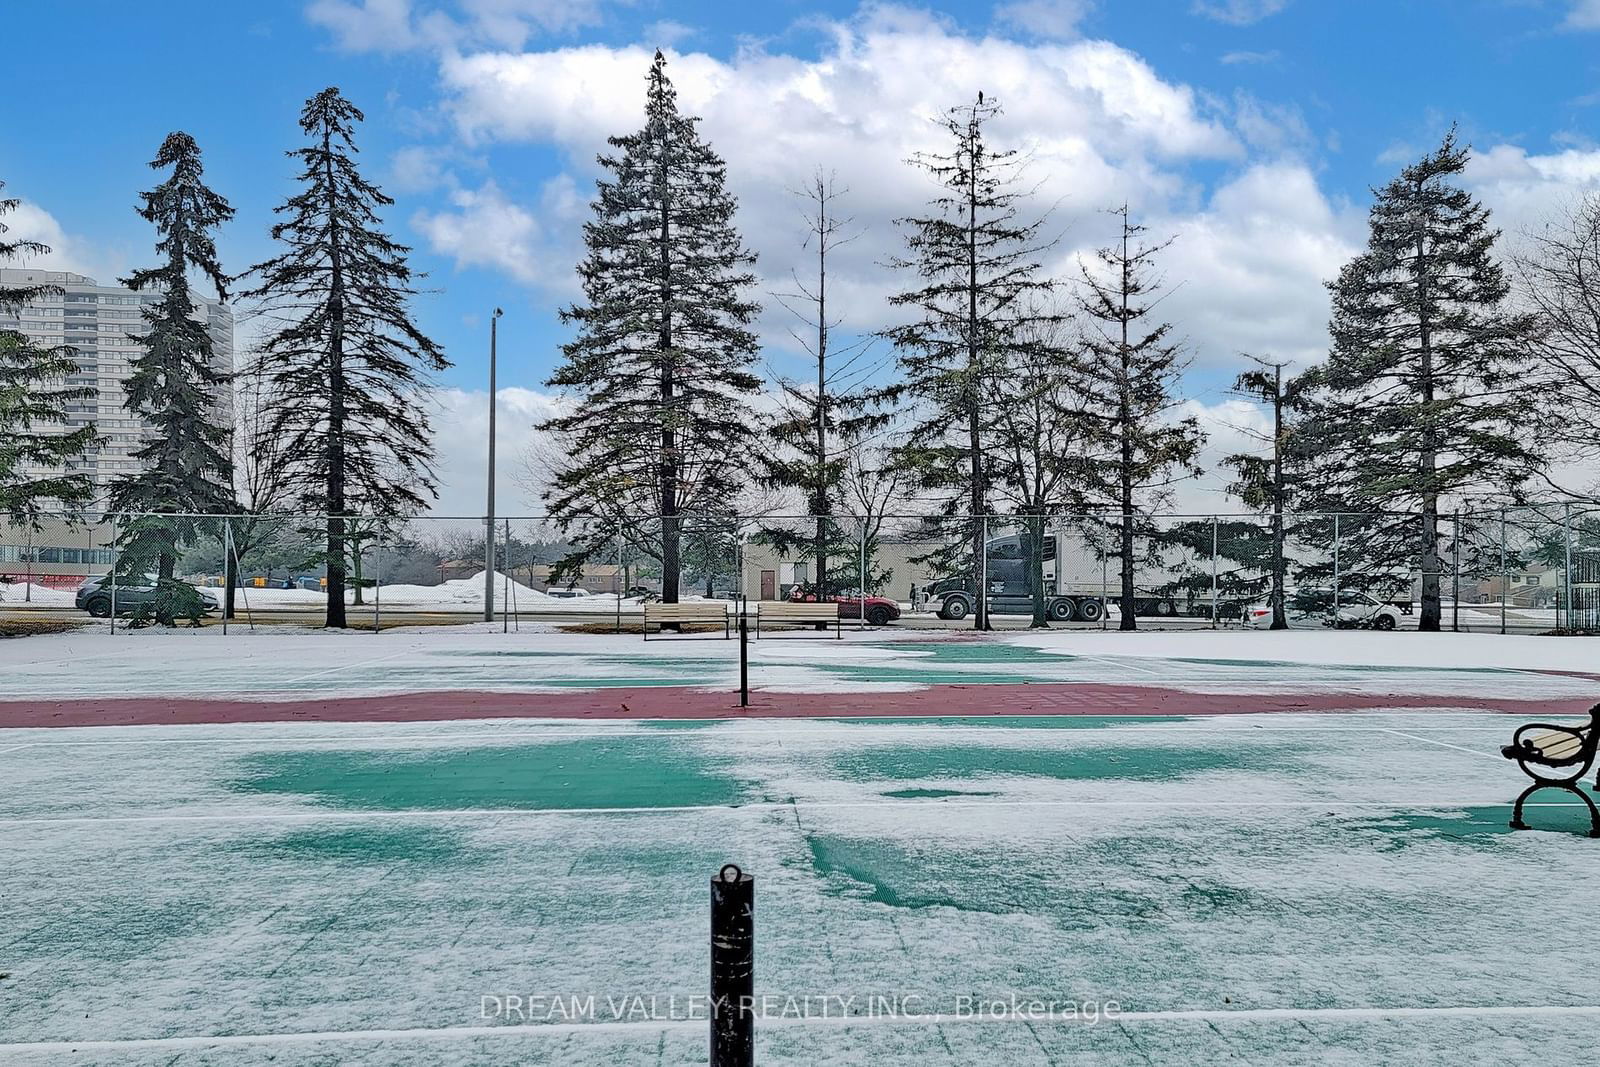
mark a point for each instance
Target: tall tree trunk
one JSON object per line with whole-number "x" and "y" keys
{"x": 336, "y": 402}
{"x": 822, "y": 503}
{"x": 230, "y": 577}
{"x": 1430, "y": 617}
{"x": 1280, "y": 619}
{"x": 978, "y": 501}
{"x": 671, "y": 535}
{"x": 1125, "y": 468}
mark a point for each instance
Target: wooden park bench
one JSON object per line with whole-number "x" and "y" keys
{"x": 700, "y": 611}
{"x": 1556, "y": 757}
{"x": 797, "y": 613}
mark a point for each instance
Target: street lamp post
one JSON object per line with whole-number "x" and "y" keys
{"x": 488, "y": 520}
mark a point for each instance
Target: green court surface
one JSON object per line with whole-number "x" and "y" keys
{"x": 1247, "y": 889}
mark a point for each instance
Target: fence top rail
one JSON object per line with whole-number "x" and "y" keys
{"x": 1549, "y": 512}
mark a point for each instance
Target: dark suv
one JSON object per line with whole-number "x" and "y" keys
{"x": 94, "y": 596}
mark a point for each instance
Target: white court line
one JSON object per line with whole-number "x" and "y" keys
{"x": 698, "y": 1026}
{"x": 15, "y": 748}
{"x": 764, "y": 808}
{"x": 1441, "y": 744}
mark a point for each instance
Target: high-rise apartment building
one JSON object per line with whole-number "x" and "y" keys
{"x": 102, "y": 323}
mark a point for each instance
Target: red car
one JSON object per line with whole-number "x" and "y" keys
{"x": 881, "y": 611}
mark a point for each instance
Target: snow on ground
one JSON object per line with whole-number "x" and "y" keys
{"x": 44, "y": 596}
{"x": 285, "y": 663}
{"x": 1282, "y": 888}
{"x": 1342, "y": 647}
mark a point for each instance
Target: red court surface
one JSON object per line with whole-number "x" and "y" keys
{"x": 671, "y": 702}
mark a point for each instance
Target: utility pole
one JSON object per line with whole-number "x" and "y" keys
{"x": 488, "y": 520}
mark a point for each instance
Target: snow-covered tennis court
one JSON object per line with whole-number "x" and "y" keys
{"x": 1330, "y": 887}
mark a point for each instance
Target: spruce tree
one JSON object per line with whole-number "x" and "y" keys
{"x": 348, "y": 367}
{"x": 974, "y": 262}
{"x": 185, "y": 466}
{"x": 33, "y": 407}
{"x": 1423, "y": 398}
{"x": 658, "y": 426}
{"x": 1129, "y": 378}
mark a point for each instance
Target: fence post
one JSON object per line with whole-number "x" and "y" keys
{"x": 377, "y": 584}
{"x": 1505, "y": 578}
{"x": 227, "y": 554}
{"x": 1566, "y": 573}
{"x": 115, "y": 556}
{"x": 733, "y": 959}
{"x": 861, "y": 623}
{"x": 620, "y": 589}
{"x": 1336, "y": 566}
{"x": 27, "y": 590}
{"x": 1213, "y": 572}
{"x": 744, "y": 652}
{"x": 981, "y": 621}
{"x": 1455, "y": 577}
{"x": 1105, "y": 588}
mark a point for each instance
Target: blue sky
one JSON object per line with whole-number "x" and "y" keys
{"x": 1252, "y": 129}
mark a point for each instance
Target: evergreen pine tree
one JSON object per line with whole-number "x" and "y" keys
{"x": 185, "y": 467}
{"x": 658, "y": 373}
{"x": 974, "y": 262}
{"x": 348, "y": 366}
{"x": 1423, "y": 396}
{"x": 1129, "y": 378}
{"x": 33, "y": 407}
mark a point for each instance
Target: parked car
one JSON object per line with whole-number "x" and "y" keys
{"x": 568, "y": 593}
{"x": 881, "y": 611}
{"x": 95, "y": 596}
{"x": 1314, "y": 607}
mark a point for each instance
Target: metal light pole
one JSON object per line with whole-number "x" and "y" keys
{"x": 488, "y": 520}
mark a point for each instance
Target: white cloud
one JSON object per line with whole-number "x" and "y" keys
{"x": 486, "y": 229}
{"x": 1236, "y": 58}
{"x": 1524, "y": 190}
{"x": 399, "y": 25}
{"x": 1238, "y": 12}
{"x": 1098, "y": 123}
{"x": 30, "y": 222}
{"x": 461, "y": 438}
{"x": 1583, "y": 15}
{"x": 1252, "y": 265}
{"x": 366, "y": 25}
{"x": 1056, "y": 19}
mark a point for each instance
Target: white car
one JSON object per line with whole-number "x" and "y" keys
{"x": 1314, "y": 607}
{"x": 568, "y": 593}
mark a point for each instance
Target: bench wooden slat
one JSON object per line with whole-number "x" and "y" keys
{"x": 784, "y": 611}
{"x": 1553, "y": 744}
{"x": 685, "y": 612}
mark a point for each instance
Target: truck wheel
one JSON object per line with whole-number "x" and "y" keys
{"x": 1091, "y": 610}
{"x": 1060, "y": 610}
{"x": 878, "y": 616}
{"x": 99, "y": 607}
{"x": 954, "y": 608}
{"x": 1166, "y": 607}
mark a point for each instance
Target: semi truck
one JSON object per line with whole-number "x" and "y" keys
{"x": 1075, "y": 583}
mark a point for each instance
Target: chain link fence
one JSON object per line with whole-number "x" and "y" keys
{"x": 1531, "y": 568}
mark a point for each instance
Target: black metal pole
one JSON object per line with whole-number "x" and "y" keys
{"x": 733, "y": 968}
{"x": 744, "y": 654}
